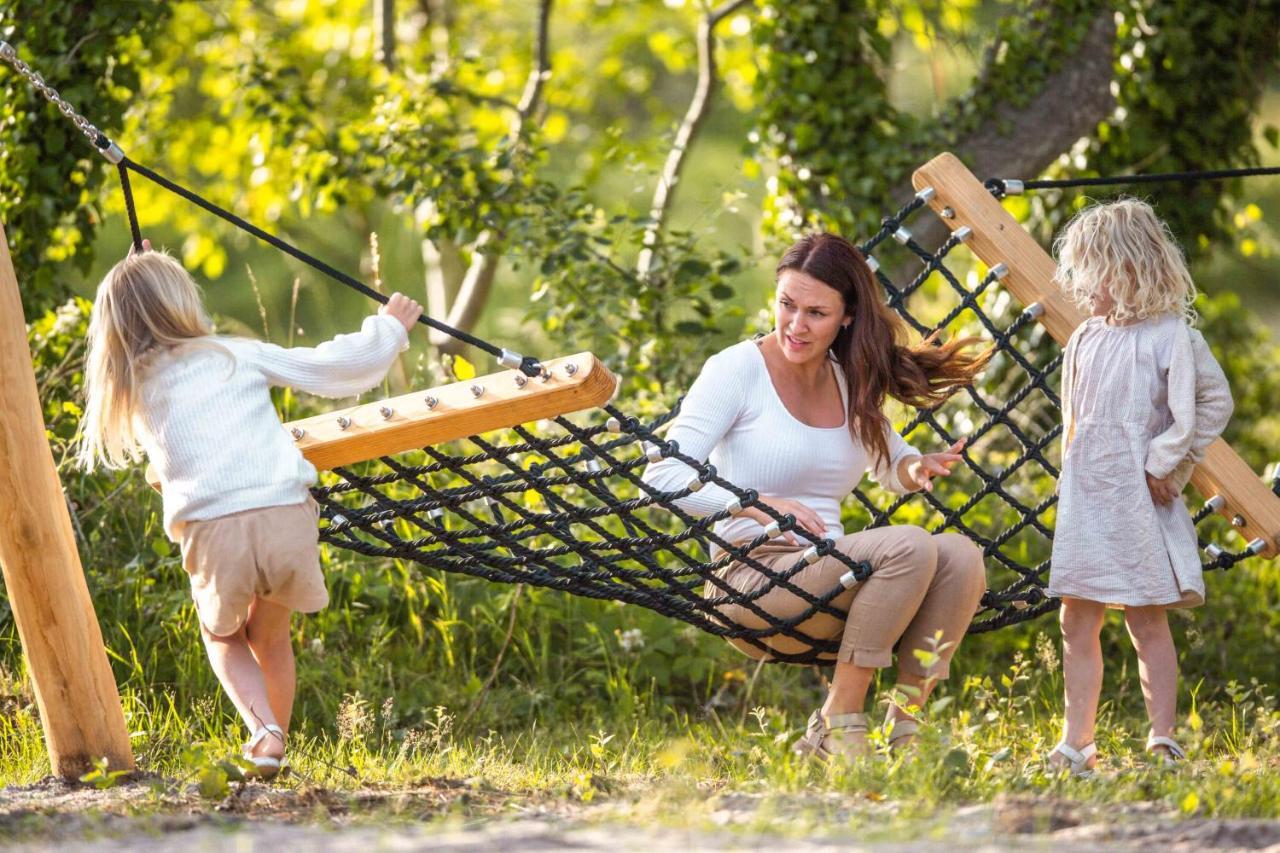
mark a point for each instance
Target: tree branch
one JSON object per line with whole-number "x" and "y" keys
{"x": 384, "y": 17}
{"x": 1021, "y": 142}
{"x": 694, "y": 117}
{"x": 477, "y": 284}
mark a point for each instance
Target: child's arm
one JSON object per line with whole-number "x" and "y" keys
{"x": 1068, "y": 371}
{"x": 1213, "y": 409}
{"x": 348, "y": 364}
{"x": 1200, "y": 402}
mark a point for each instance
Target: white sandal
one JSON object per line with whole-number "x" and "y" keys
{"x": 265, "y": 766}
{"x": 825, "y": 737}
{"x": 1078, "y": 759}
{"x": 1174, "y": 753}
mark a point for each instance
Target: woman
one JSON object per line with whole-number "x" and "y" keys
{"x": 797, "y": 417}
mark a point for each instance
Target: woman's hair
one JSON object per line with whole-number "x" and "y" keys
{"x": 1123, "y": 247}
{"x": 146, "y": 303}
{"x": 870, "y": 350}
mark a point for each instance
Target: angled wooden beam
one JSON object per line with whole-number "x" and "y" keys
{"x": 998, "y": 238}
{"x": 75, "y": 691}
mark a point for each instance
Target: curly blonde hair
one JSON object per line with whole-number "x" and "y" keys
{"x": 1122, "y": 248}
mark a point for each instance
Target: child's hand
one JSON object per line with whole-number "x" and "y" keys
{"x": 403, "y": 309}
{"x": 922, "y": 469}
{"x": 1162, "y": 491}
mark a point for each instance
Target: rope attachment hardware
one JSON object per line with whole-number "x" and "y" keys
{"x": 107, "y": 148}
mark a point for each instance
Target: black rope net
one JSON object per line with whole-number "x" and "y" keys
{"x": 564, "y": 506}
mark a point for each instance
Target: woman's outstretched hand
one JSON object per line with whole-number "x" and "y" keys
{"x": 402, "y": 308}
{"x": 921, "y": 470}
{"x": 805, "y": 517}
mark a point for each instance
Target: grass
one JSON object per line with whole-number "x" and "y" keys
{"x": 644, "y": 758}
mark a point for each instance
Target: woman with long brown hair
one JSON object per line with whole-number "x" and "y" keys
{"x": 797, "y": 416}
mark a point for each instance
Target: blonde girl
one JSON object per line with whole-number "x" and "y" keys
{"x": 1142, "y": 399}
{"x": 236, "y": 490}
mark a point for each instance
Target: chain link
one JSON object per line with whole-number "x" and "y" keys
{"x": 10, "y": 55}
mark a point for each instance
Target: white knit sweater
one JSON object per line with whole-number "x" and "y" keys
{"x": 733, "y": 416}
{"x": 209, "y": 428}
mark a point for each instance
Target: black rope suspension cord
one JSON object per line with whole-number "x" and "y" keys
{"x": 604, "y": 533}
{"x": 1001, "y": 187}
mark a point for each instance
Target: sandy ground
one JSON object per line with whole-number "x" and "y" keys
{"x": 453, "y": 815}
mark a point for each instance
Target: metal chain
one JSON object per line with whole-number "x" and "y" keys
{"x": 108, "y": 148}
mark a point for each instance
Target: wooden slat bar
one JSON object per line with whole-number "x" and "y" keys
{"x": 999, "y": 238}
{"x": 75, "y": 690}
{"x": 457, "y": 413}
{"x": 411, "y": 421}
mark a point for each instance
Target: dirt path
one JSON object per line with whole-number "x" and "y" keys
{"x": 451, "y": 815}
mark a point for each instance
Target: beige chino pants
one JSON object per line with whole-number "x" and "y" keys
{"x": 921, "y": 584}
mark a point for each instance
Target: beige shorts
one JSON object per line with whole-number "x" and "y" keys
{"x": 270, "y": 553}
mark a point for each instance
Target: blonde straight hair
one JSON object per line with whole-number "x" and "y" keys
{"x": 1122, "y": 247}
{"x": 147, "y": 303}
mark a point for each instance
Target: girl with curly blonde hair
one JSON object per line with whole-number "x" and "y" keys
{"x": 1142, "y": 399}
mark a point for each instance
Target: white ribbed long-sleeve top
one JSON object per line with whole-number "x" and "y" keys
{"x": 210, "y": 430}
{"x": 733, "y": 417}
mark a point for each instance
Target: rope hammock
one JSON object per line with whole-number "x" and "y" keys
{"x": 563, "y": 505}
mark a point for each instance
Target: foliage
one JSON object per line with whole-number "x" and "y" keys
{"x": 841, "y": 145}
{"x": 51, "y": 177}
{"x": 1189, "y": 85}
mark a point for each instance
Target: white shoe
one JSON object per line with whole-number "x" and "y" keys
{"x": 1173, "y": 753}
{"x": 1078, "y": 759}
{"x": 265, "y": 766}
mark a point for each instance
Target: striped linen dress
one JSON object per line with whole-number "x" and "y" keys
{"x": 1143, "y": 398}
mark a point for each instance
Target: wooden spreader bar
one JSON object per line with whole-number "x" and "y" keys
{"x": 998, "y": 238}
{"x": 421, "y": 418}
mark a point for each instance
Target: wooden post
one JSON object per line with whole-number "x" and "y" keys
{"x": 998, "y": 238}
{"x": 75, "y": 691}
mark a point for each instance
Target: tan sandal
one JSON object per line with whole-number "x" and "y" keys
{"x": 902, "y": 732}
{"x": 837, "y": 735}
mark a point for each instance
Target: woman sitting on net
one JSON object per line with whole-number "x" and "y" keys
{"x": 796, "y": 416}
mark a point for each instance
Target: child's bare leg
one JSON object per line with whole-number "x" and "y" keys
{"x": 272, "y": 645}
{"x": 1157, "y": 665}
{"x": 238, "y": 672}
{"x": 1081, "y": 670}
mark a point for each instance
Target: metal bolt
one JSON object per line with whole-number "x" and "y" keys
{"x": 477, "y": 390}
{"x": 545, "y": 375}
{"x": 571, "y": 368}
{"x": 432, "y": 402}
{"x": 386, "y": 412}
{"x": 948, "y": 213}
{"x": 1237, "y": 521}
{"x": 521, "y": 380}
{"x": 297, "y": 433}
{"x": 343, "y": 421}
